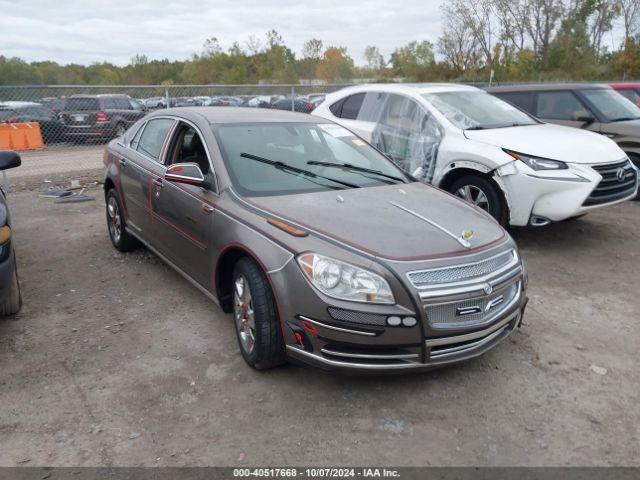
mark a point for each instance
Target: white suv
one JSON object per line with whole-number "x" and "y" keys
{"x": 472, "y": 144}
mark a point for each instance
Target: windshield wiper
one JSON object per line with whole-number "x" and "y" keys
{"x": 355, "y": 168}
{"x": 283, "y": 166}
{"x": 624, "y": 119}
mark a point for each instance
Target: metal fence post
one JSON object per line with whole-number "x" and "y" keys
{"x": 293, "y": 98}
{"x": 166, "y": 96}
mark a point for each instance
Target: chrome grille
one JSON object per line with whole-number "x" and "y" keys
{"x": 475, "y": 311}
{"x": 618, "y": 181}
{"x": 436, "y": 276}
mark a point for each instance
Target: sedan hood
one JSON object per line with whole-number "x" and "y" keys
{"x": 555, "y": 142}
{"x": 397, "y": 222}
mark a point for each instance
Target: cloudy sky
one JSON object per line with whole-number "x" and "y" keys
{"x": 87, "y": 31}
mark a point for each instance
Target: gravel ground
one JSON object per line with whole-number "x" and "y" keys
{"x": 116, "y": 360}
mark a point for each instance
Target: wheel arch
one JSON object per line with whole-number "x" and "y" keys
{"x": 456, "y": 173}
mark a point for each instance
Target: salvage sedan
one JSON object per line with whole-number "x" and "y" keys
{"x": 324, "y": 250}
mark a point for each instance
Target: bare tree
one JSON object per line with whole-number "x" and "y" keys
{"x": 601, "y": 21}
{"x": 514, "y": 18}
{"x": 457, "y": 43}
{"x": 630, "y": 12}
{"x": 313, "y": 49}
{"x": 375, "y": 60}
{"x": 544, "y": 17}
{"x": 254, "y": 45}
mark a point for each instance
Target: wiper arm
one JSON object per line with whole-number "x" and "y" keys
{"x": 355, "y": 168}
{"x": 624, "y": 119}
{"x": 283, "y": 166}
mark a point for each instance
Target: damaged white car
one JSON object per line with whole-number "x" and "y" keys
{"x": 474, "y": 145}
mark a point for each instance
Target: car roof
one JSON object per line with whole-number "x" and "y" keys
{"x": 535, "y": 87}
{"x": 225, "y": 115}
{"x": 418, "y": 88}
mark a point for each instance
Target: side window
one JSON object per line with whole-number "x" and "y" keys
{"x": 522, "y": 100}
{"x": 351, "y": 106}
{"x": 187, "y": 146}
{"x": 336, "y": 108}
{"x": 409, "y": 134}
{"x": 372, "y": 106}
{"x": 559, "y": 105}
{"x": 152, "y": 137}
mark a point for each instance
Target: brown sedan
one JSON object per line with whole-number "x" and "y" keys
{"x": 324, "y": 250}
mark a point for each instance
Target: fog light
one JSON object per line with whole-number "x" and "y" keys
{"x": 394, "y": 321}
{"x": 409, "y": 322}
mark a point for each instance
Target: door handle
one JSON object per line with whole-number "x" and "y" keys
{"x": 122, "y": 161}
{"x": 157, "y": 182}
{"x": 207, "y": 208}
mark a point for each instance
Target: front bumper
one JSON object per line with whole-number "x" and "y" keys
{"x": 554, "y": 196}
{"x": 339, "y": 336}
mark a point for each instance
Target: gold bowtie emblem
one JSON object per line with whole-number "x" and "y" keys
{"x": 467, "y": 234}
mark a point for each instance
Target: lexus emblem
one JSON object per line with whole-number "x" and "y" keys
{"x": 621, "y": 173}
{"x": 487, "y": 288}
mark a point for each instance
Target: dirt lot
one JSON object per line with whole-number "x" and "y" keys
{"x": 116, "y": 360}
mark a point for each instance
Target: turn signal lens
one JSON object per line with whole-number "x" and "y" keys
{"x": 5, "y": 233}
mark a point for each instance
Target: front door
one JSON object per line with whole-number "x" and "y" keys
{"x": 182, "y": 213}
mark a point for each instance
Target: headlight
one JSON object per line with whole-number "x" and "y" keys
{"x": 5, "y": 234}
{"x": 538, "y": 163}
{"x": 344, "y": 281}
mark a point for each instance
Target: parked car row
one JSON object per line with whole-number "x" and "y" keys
{"x": 501, "y": 157}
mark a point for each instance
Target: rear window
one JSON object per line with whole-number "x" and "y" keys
{"x": 82, "y": 104}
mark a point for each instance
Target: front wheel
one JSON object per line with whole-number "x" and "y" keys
{"x": 481, "y": 193}
{"x": 256, "y": 318}
{"x": 14, "y": 300}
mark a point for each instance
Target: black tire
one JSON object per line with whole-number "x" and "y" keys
{"x": 495, "y": 204}
{"x": 268, "y": 347}
{"x": 120, "y": 238}
{"x": 13, "y": 303}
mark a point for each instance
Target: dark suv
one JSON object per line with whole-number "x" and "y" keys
{"x": 98, "y": 116}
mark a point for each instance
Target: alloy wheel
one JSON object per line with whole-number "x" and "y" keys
{"x": 244, "y": 314}
{"x": 114, "y": 219}
{"x": 474, "y": 195}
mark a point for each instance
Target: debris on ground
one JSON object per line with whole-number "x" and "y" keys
{"x": 598, "y": 370}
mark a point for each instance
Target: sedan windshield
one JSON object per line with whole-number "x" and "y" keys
{"x": 613, "y": 106}
{"x": 286, "y": 158}
{"x": 477, "y": 110}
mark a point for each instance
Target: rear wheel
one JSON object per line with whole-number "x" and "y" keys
{"x": 14, "y": 301}
{"x": 120, "y": 238}
{"x": 482, "y": 193}
{"x": 255, "y": 317}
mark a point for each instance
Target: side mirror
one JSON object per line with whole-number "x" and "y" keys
{"x": 583, "y": 116}
{"x": 9, "y": 159}
{"x": 185, "y": 173}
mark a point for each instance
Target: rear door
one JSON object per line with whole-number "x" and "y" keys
{"x": 183, "y": 214}
{"x": 141, "y": 172}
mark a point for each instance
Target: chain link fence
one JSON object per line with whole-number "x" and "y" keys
{"x": 70, "y": 115}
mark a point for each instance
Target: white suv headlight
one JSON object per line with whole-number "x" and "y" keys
{"x": 344, "y": 281}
